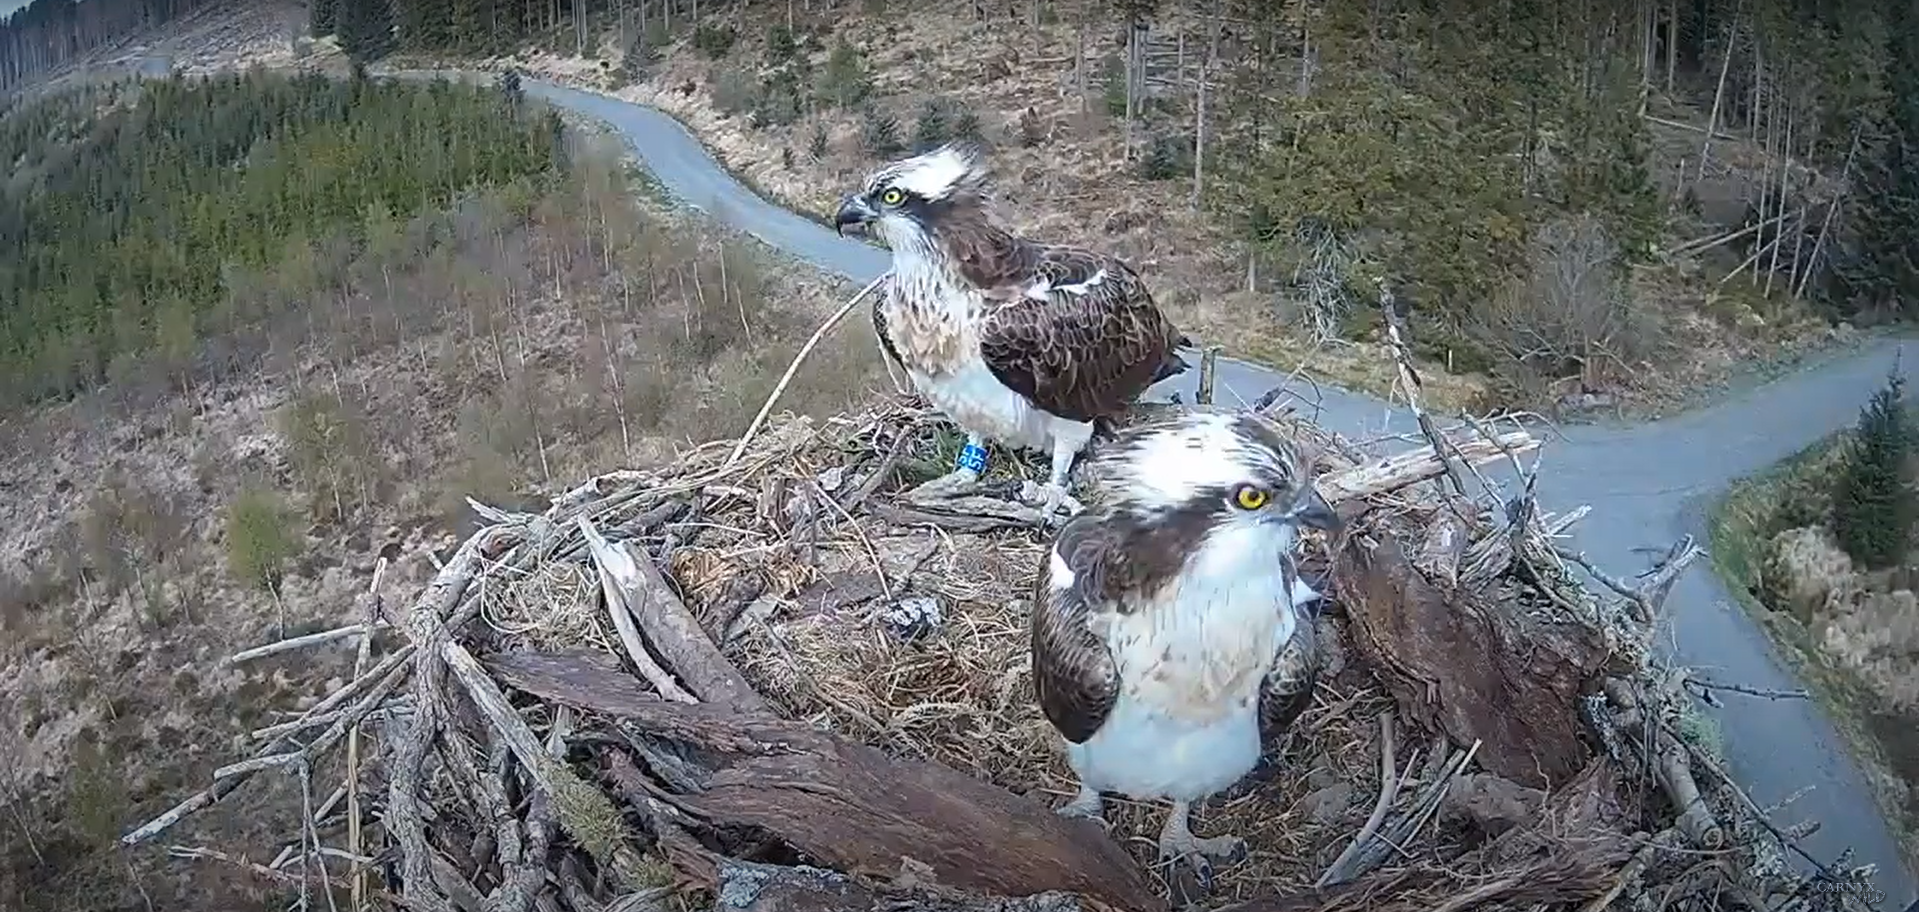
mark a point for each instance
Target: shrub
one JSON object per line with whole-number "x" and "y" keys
{"x": 844, "y": 82}
{"x": 780, "y": 45}
{"x": 1031, "y": 129}
{"x": 331, "y": 453}
{"x": 1571, "y": 316}
{"x": 780, "y": 102}
{"x": 735, "y": 92}
{"x": 1167, "y": 157}
{"x": 639, "y": 55}
{"x": 880, "y": 133}
{"x": 1112, "y": 80}
{"x": 715, "y": 41}
{"x": 816, "y": 143}
{"x": 941, "y": 121}
{"x": 1872, "y": 509}
{"x": 260, "y": 538}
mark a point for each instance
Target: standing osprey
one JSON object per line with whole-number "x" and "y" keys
{"x": 1165, "y": 638}
{"x": 1021, "y": 342}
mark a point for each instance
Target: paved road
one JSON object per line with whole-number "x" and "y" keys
{"x": 1648, "y": 484}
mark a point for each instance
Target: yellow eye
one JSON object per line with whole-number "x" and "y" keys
{"x": 893, "y": 196}
{"x": 1247, "y": 497}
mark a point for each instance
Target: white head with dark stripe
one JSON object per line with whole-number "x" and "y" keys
{"x": 906, "y": 202}
{"x": 1205, "y": 492}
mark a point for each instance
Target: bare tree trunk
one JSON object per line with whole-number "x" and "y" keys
{"x": 1672, "y": 43}
{"x": 1785, "y": 176}
{"x": 1206, "y": 66}
{"x": 1648, "y": 31}
{"x": 1079, "y": 63}
{"x": 1832, "y": 208}
{"x": 1718, "y": 98}
{"x": 1765, "y": 184}
{"x": 1303, "y": 86}
{"x": 1132, "y": 60}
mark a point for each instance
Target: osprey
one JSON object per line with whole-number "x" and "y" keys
{"x": 1016, "y": 341}
{"x": 1166, "y": 643}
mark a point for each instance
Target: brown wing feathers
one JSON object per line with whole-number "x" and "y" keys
{"x": 1073, "y": 673}
{"x": 1080, "y": 353}
{"x": 1287, "y": 689}
{"x": 879, "y": 329}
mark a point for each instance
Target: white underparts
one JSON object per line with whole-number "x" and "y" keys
{"x": 1186, "y": 722}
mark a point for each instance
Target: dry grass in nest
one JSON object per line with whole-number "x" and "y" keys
{"x": 813, "y": 639}
{"x": 554, "y": 605}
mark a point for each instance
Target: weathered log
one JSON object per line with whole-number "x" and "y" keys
{"x": 748, "y": 887}
{"x": 1478, "y": 673}
{"x": 628, "y": 574}
{"x": 845, "y": 805}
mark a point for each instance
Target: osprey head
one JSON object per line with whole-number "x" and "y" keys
{"x": 1214, "y": 479}
{"x": 902, "y": 202}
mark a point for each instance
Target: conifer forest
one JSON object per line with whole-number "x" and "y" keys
{"x": 128, "y": 238}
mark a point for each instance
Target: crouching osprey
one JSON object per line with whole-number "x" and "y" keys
{"x": 1016, "y": 341}
{"x": 1165, "y": 640}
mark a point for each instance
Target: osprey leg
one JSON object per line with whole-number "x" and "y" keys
{"x": 1086, "y": 805}
{"x": 1178, "y": 844}
{"x": 962, "y": 480}
{"x": 1068, "y": 440}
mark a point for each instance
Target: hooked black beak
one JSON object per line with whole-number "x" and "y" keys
{"x": 1313, "y": 512}
{"x": 854, "y": 211}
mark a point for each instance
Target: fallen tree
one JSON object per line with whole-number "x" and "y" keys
{"x": 755, "y": 679}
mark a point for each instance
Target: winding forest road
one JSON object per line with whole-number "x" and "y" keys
{"x": 1648, "y": 484}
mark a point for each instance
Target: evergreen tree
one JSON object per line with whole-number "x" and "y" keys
{"x": 880, "y": 133}
{"x": 1872, "y": 509}
{"x": 1884, "y": 269}
{"x": 366, "y": 29}
{"x": 321, "y": 17}
{"x": 934, "y": 127}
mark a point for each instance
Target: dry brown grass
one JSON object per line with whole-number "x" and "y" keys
{"x": 1852, "y": 634}
{"x": 594, "y": 330}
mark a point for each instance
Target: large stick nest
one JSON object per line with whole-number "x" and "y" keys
{"x": 770, "y": 683}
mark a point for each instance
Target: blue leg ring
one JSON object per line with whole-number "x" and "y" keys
{"x": 973, "y": 456}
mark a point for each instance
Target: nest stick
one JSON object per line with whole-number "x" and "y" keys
{"x": 614, "y": 566}
{"x": 357, "y": 872}
{"x": 793, "y": 368}
{"x": 1413, "y": 466}
{"x": 1388, "y": 789}
{"x": 302, "y": 642}
{"x": 580, "y": 808}
{"x": 1208, "y": 375}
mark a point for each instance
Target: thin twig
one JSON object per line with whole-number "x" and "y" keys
{"x": 302, "y": 642}
{"x": 1388, "y": 790}
{"x": 793, "y": 368}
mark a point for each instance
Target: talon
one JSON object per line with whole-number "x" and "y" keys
{"x": 1178, "y": 844}
{"x": 1050, "y": 499}
{"x": 1087, "y": 805}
